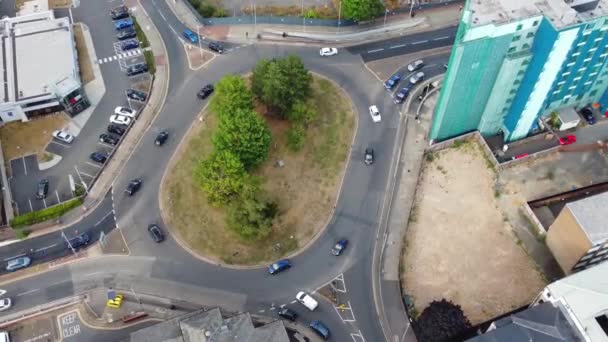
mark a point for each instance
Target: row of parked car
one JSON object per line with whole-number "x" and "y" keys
{"x": 124, "y": 24}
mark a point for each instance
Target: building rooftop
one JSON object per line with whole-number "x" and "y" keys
{"x": 545, "y": 322}
{"x": 561, "y": 13}
{"x": 585, "y": 296}
{"x": 210, "y": 326}
{"x": 589, "y": 213}
{"x": 38, "y": 51}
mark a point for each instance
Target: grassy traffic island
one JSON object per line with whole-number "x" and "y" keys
{"x": 259, "y": 176}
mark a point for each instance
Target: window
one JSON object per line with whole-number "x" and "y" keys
{"x": 593, "y": 93}
{"x": 511, "y": 49}
{"x": 516, "y": 38}
{"x": 535, "y": 23}
{"x": 513, "y": 91}
{"x": 520, "y": 72}
{"x": 525, "y": 46}
{"x": 519, "y": 27}
{"x": 530, "y": 35}
{"x": 517, "y": 82}
{"x": 525, "y": 62}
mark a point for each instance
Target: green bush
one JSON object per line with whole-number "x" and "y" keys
{"x": 295, "y": 137}
{"x": 311, "y": 14}
{"x": 45, "y": 214}
{"x": 251, "y": 218}
{"x": 141, "y": 36}
{"x": 21, "y": 233}
{"x": 149, "y": 56}
{"x": 206, "y": 10}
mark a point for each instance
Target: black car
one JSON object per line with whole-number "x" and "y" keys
{"x": 402, "y": 94}
{"x": 205, "y": 91}
{"x": 369, "y": 156}
{"x": 136, "y": 95}
{"x": 42, "y": 189}
{"x": 129, "y": 45}
{"x": 108, "y": 139}
{"x": 156, "y": 234}
{"x": 287, "y": 314}
{"x": 119, "y": 12}
{"x": 217, "y": 47}
{"x": 161, "y": 138}
{"x": 98, "y": 157}
{"x": 137, "y": 69}
{"x": 116, "y": 129}
{"x": 133, "y": 186}
{"x": 127, "y": 33}
{"x": 587, "y": 113}
{"x": 78, "y": 241}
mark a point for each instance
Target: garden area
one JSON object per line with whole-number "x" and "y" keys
{"x": 258, "y": 178}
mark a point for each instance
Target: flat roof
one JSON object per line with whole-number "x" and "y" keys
{"x": 558, "y": 12}
{"x": 590, "y": 214}
{"x": 37, "y": 52}
{"x": 585, "y": 295}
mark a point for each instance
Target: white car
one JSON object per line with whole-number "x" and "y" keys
{"x": 375, "y": 113}
{"x": 415, "y": 65}
{"x": 125, "y": 112}
{"x": 63, "y": 136}
{"x": 120, "y": 119}
{"x": 306, "y": 300}
{"x": 328, "y": 51}
{"x": 5, "y": 304}
{"x": 417, "y": 78}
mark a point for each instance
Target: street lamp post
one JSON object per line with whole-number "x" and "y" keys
{"x": 339, "y": 14}
{"x": 385, "y": 14}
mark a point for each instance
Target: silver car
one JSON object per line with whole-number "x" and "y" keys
{"x": 415, "y": 65}
{"x": 419, "y": 76}
{"x": 18, "y": 263}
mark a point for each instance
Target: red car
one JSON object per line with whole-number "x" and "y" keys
{"x": 567, "y": 140}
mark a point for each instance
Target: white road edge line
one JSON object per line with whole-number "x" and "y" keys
{"x": 440, "y": 38}
{"x": 30, "y": 201}
{"x": 102, "y": 219}
{"x": 57, "y": 194}
{"x": 26, "y": 292}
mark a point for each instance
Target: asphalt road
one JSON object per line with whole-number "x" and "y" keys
{"x": 166, "y": 269}
{"x": 406, "y": 44}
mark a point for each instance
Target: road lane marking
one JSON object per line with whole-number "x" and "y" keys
{"x": 102, "y": 219}
{"x": 30, "y": 201}
{"x": 44, "y": 201}
{"x": 440, "y": 38}
{"x": 86, "y": 174}
{"x": 260, "y": 311}
{"x": 96, "y": 165}
{"x": 14, "y": 257}
{"x": 27, "y": 292}
{"x": 282, "y": 306}
{"x": 372, "y": 51}
{"x": 57, "y": 283}
{"x": 420, "y": 42}
{"x": 57, "y": 194}
{"x": 24, "y": 166}
{"x": 293, "y": 301}
{"x": 397, "y": 46}
{"x": 92, "y": 274}
{"x": 43, "y": 248}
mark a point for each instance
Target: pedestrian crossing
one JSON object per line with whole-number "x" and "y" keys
{"x": 126, "y": 54}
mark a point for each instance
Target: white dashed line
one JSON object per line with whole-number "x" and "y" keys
{"x": 420, "y": 42}
{"x": 440, "y": 38}
{"x": 43, "y": 248}
{"x": 372, "y": 51}
{"x": 24, "y": 167}
{"x": 397, "y": 46}
{"x": 30, "y": 201}
{"x": 293, "y": 301}
{"x": 14, "y": 257}
{"x": 26, "y": 292}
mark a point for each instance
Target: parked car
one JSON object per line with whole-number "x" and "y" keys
{"x": 402, "y": 94}
{"x": 18, "y": 263}
{"x": 287, "y": 314}
{"x": 217, "y": 47}
{"x": 375, "y": 113}
{"x": 156, "y": 233}
{"x": 119, "y": 12}
{"x": 78, "y": 241}
{"x": 98, "y": 157}
{"x": 42, "y": 189}
{"x": 133, "y": 187}
{"x": 116, "y": 129}
{"x": 567, "y": 140}
{"x": 5, "y": 304}
{"x": 445, "y": 66}
{"x": 136, "y": 95}
{"x": 127, "y": 33}
{"x": 161, "y": 138}
{"x": 392, "y": 82}
{"x": 205, "y": 91}
{"x": 368, "y": 156}
{"x": 320, "y": 329}
{"x": 339, "y": 247}
{"x": 63, "y": 136}
{"x": 137, "y": 69}
{"x": 124, "y": 111}
{"x": 306, "y": 300}
{"x": 108, "y": 139}
{"x": 587, "y": 113}
{"x": 279, "y": 266}
{"x": 191, "y": 36}
{"x": 327, "y": 51}
{"x": 123, "y": 24}
{"x": 120, "y": 119}
{"x": 415, "y": 65}
{"x": 419, "y": 76}
{"x": 129, "y": 44}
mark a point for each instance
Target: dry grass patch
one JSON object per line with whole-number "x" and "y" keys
{"x": 319, "y": 12}
{"x": 305, "y": 188}
{"x": 24, "y": 138}
{"x": 84, "y": 60}
{"x": 458, "y": 245}
{"x": 60, "y": 3}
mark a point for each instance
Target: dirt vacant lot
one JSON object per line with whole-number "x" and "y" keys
{"x": 459, "y": 246}
{"x": 24, "y": 138}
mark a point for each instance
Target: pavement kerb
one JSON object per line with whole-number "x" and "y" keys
{"x": 101, "y": 327}
{"x": 318, "y": 234}
{"x": 41, "y": 310}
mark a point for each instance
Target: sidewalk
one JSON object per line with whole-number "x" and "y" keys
{"x": 398, "y": 24}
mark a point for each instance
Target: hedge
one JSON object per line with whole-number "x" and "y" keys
{"x": 141, "y": 36}
{"x": 45, "y": 214}
{"x": 149, "y": 56}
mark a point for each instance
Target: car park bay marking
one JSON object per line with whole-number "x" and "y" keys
{"x": 27, "y": 292}
{"x": 58, "y": 143}
{"x": 293, "y": 301}
{"x": 30, "y": 202}
{"x": 102, "y": 219}
{"x": 25, "y": 170}
{"x": 96, "y": 165}
{"x": 126, "y": 54}
{"x": 57, "y": 194}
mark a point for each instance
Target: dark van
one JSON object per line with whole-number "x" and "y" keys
{"x": 78, "y": 241}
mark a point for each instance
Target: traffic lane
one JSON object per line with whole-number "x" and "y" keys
{"x": 396, "y": 43}
{"x": 402, "y": 49}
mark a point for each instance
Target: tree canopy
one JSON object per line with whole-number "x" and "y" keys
{"x": 441, "y": 321}
{"x": 231, "y": 93}
{"x": 221, "y": 176}
{"x": 360, "y": 10}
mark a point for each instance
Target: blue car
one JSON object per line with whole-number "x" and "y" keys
{"x": 340, "y": 246}
{"x": 18, "y": 263}
{"x": 279, "y": 266}
{"x": 320, "y": 329}
{"x": 392, "y": 82}
{"x": 123, "y": 24}
{"x": 129, "y": 44}
{"x": 191, "y": 36}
